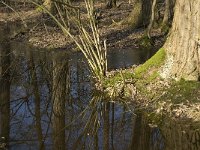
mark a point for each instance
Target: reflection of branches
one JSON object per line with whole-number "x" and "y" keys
{"x": 29, "y": 109}
{"x": 95, "y": 109}
{"x": 93, "y": 122}
{"x": 48, "y": 127}
{"x": 20, "y": 104}
{"x": 7, "y": 69}
{"x": 25, "y": 98}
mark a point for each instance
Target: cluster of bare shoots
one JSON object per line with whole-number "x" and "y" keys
{"x": 88, "y": 38}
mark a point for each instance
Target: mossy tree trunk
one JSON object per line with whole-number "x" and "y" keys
{"x": 183, "y": 44}
{"x": 140, "y": 15}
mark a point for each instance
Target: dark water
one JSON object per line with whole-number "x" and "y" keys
{"x": 48, "y": 101}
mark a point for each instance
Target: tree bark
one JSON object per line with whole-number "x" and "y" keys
{"x": 183, "y": 44}
{"x": 140, "y": 15}
{"x": 152, "y": 19}
{"x": 166, "y": 13}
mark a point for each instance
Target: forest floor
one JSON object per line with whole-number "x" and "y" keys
{"x": 178, "y": 100}
{"x": 42, "y": 33}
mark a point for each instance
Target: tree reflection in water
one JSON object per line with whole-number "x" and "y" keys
{"x": 59, "y": 95}
{"x": 54, "y": 106}
{"x": 5, "y": 89}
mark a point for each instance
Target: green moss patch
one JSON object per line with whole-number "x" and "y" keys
{"x": 119, "y": 76}
{"x": 145, "y": 73}
{"x": 153, "y": 63}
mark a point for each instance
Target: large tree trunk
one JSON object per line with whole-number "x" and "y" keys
{"x": 183, "y": 44}
{"x": 140, "y": 15}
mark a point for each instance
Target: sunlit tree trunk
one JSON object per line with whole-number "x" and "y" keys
{"x": 183, "y": 43}
{"x": 140, "y": 15}
{"x": 5, "y": 86}
{"x": 152, "y": 18}
{"x": 166, "y": 13}
{"x": 37, "y": 99}
{"x": 60, "y": 70}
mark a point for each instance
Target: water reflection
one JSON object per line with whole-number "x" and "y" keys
{"x": 48, "y": 102}
{"x": 59, "y": 95}
{"x": 5, "y": 62}
{"x": 37, "y": 98}
{"x": 126, "y": 58}
{"x": 53, "y": 106}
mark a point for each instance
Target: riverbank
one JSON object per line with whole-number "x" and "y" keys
{"x": 159, "y": 98}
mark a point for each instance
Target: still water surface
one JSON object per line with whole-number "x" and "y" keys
{"x": 48, "y": 102}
